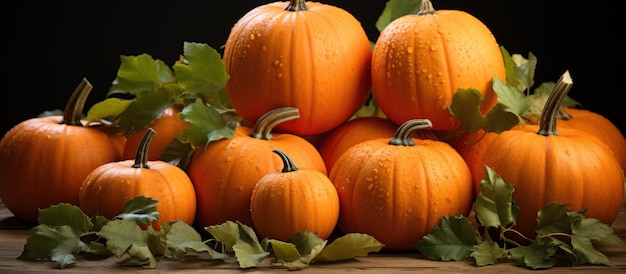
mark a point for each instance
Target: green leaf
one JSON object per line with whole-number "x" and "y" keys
{"x": 248, "y": 250}
{"x": 349, "y": 246}
{"x": 206, "y": 124}
{"x": 500, "y": 118}
{"x": 586, "y": 253}
{"x": 143, "y": 110}
{"x": 137, "y": 255}
{"x": 121, "y": 234}
{"x": 452, "y": 241}
{"x": 514, "y": 100}
{"x": 553, "y": 218}
{"x": 284, "y": 251}
{"x": 534, "y": 256}
{"x": 465, "y": 108}
{"x": 140, "y": 73}
{"x": 396, "y": 8}
{"x": 494, "y": 204}
{"x": 183, "y": 237}
{"x": 487, "y": 252}
{"x": 593, "y": 229}
{"x": 140, "y": 209}
{"x": 227, "y": 233}
{"x": 107, "y": 109}
{"x": 58, "y": 243}
{"x": 203, "y": 73}
{"x": 65, "y": 214}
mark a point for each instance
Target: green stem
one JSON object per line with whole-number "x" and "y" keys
{"x": 288, "y": 164}
{"x": 549, "y": 114}
{"x": 297, "y": 5}
{"x": 267, "y": 122}
{"x": 73, "y": 111}
{"x": 141, "y": 158}
{"x": 404, "y": 134}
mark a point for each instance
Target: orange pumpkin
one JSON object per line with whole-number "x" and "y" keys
{"x": 396, "y": 189}
{"x": 471, "y": 146}
{"x": 598, "y": 126}
{"x": 292, "y": 200}
{"x": 44, "y": 160}
{"x": 420, "y": 60}
{"x": 107, "y": 188}
{"x": 358, "y": 130}
{"x": 168, "y": 125}
{"x": 568, "y": 167}
{"x": 225, "y": 171}
{"x": 312, "y": 56}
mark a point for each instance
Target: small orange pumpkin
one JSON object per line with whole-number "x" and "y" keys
{"x": 420, "y": 60}
{"x": 569, "y": 167}
{"x": 168, "y": 125}
{"x": 312, "y": 56}
{"x": 292, "y": 200}
{"x": 44, "y": 160}
{"x": 225, "y": 171}
{"x": 107, "y": 188}
{"x": 396, "y": 189}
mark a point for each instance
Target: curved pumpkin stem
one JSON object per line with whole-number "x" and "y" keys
{"x": 426, "y": 7}
{"x": 297, "y": 5}
{"x": 141, "y": 158}
{"x": 549, "y": 114}
{"x": 267, "y": 122}
{"x": 288, "y": 164}
{"x": 404, "y": 134}
{"x": 563, "y": 114}
{"x": 73, "y": 111}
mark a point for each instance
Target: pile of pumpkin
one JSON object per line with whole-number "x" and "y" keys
{"x": 302, "y": 160}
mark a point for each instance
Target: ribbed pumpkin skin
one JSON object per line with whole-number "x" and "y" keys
{"x": 44, "y": 162}
{"x": 600, "y": 127}
{"x": 472, "y": 146}
{"x": 107, "y": 189}
{"x": 285, "y": 203}
{"x": 419, "y": 61}
{"x": 316, "y": 60}
{"x": 225, "y": 173}
{"x": 573, "y": 168}
{"x": 398, "y": 193}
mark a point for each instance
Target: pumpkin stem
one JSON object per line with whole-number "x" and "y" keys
{"x": 547, "y": 121}
{"x": 404, "y": 134}
{"x": 73, "y": 111}
{"x": 288, "y": 164}
{"x": 426, "y": 7}
{"x": 267, "y": 122}
{"x": 141, "y": 158}
{"x": 564, "y": 115}
{"x": 297, "y": 5}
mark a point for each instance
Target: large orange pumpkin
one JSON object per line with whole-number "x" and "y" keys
{"x": 567, "y": 166}
{"x": 225, "y": 171}
{"x": 291, "y": 200}
{"x": 107, "y": 188}
{"x": 44, "y": 160}
{"x": 420, "y": 60}
{"x": 312, "y": 56}
{"x": 396, "y": 189}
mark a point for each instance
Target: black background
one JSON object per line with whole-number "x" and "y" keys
{"x": 50, "y": 46}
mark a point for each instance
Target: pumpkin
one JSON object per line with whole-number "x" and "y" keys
{"x": 598, "y": 126}
{"x": 420, "y": 60}
{"x": 44, "y": 160}
{"x": 168, "y": 125}
{"x": 567, "y": 166}
{"x": 225, "y": 171}
{"x": 397, "y": 189}
{"x": 107, "y": 188}
{"x": 358, "y": 130}
{"x": 471, "y": 146}
{"x": 285, "y": 202}
{"x": 309, "y": 55}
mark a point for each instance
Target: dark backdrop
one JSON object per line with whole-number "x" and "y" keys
{"x": 50, "y": 46}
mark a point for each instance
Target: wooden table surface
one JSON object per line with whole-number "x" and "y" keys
{"x": 13, "y": 234}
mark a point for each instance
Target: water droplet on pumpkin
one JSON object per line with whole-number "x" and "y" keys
{"x": 409, "y": 50}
